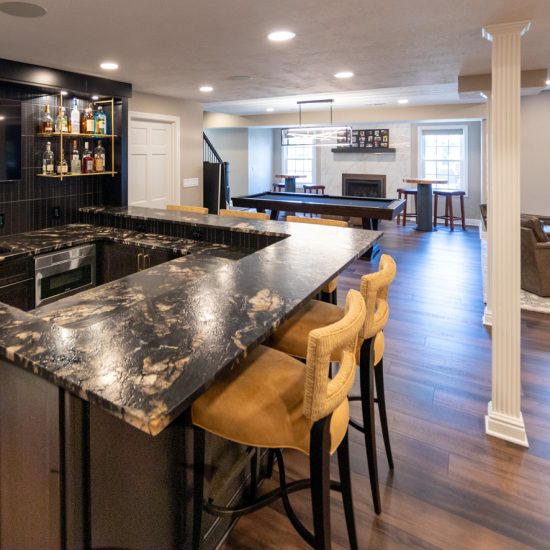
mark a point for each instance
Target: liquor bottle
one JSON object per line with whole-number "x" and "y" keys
{"x": 99, "y": 158}
{"x": 47, "y": 121}
{"x": 75, "y": 118}
{"x": 88, "y": 120}
{"x": 87, "y": 160}
{"x": 62, "y": 166}
{"x": 47, "y": 160}
{"x": 75, "y": 159}
{"x": 61, "y": 124}
{"x": 100, "y": 121}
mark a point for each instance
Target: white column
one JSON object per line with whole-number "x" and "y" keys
{"x": 488, "y": 313}
{"x": 504, "y": 418}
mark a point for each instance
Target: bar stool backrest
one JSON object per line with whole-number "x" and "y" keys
{"x": 322, "y": 395}
{"x": 186, "y": 208}
{"x": 318, "y": 221}
{"x": 243, "y": 214}
{"x": 374, "y": 289}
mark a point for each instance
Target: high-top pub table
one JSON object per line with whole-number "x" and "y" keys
{"x": 424, "y": 202}
{"x": 290, "y": 181}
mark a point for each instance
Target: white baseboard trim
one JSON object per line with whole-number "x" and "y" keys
{"x": 505, "y": 427}
{"x": 487, "y": 317}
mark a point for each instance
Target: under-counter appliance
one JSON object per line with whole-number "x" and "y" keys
{"x": 64, "y": 272}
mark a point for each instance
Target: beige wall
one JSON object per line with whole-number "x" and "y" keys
{"x": 535, "y": 154}
{"x": 191, "y": 117}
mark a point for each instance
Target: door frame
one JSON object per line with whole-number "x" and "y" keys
{"x": 175, "y": 187}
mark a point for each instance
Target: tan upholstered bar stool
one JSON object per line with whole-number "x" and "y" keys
{"x": 244, "y": 214}
{"x": 186, "y": 208}
{"x": 291, "y": 338}
{"x": 329, "y": 291}
{"x": 406, "y": 191}
{"x": 449, "y": 217}
{"x": 273, "y": 401}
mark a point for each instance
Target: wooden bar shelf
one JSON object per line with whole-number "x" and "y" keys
{"x": 69, "y": 135}
{"x": 371, "y": 150}
{"x": 59, "y": 176}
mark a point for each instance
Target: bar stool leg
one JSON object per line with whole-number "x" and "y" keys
{"x": 462, "y": 213}
{"x": 451, "y": 214}
{"x": 381, "y": 396}
{"x": 435, "y": 209}
{"x": 345, "y": 482}
{"x": 319, "y": 463}
{"x": 398, "y": 219}
{"x": 405, "y": 210}
{"x": 446, "y": 211}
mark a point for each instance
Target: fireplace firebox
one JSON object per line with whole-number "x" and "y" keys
{"x": 364, "y": 185}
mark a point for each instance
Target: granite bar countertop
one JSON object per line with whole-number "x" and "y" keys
{"x": 145, "y": 346}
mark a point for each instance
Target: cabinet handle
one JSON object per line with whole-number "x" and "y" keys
{"x": 139, "y": 261}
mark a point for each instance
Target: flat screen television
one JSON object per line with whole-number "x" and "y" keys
{"x": 10, "y": 140}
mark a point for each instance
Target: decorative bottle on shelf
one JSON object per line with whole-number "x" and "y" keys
{"x": 75, "y": 159}
{"x": 88, "y": 120}
{"x": 100, "y": 121}
{"x": 99, "y": 158}
{"x": 47, "y": 160}
{"x": 62, "y": 166}
{"x": 47, "y": 125}
{"x": 61, "y": 124}
{"x": 87, "y": 160}
{"x": 75, "y": 117}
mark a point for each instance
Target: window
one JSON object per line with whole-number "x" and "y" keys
{"x": 299, "y": 158}
{"x": 443, "y": 155}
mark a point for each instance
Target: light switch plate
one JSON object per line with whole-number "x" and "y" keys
{"x": 190, "y": 182}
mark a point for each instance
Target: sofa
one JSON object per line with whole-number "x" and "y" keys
{"x": 535, "y": 256}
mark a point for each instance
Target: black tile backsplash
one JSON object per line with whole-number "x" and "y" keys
{"x": 28, "y": 203}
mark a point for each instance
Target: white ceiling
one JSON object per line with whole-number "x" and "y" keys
{"x": 171, "y": 47}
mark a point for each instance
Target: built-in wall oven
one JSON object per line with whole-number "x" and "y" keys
{"x": 64, "y": 272}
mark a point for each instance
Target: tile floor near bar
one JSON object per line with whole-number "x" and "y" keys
{"x": 453, "y": 487}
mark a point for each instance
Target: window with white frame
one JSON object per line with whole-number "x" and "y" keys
{"x": 299, "y": 158}
{"x": 443, "y": 155}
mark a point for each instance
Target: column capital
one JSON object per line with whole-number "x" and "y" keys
{"x": 489, "y": 32}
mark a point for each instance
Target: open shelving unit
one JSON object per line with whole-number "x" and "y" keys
{"x": 62, "y": 135}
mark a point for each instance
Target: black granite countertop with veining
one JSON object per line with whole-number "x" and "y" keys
{"x": 143, "y": 347}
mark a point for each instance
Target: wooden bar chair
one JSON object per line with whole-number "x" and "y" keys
{"x": 186, "y": 208}
{"x": 278, "y": 187}
{"x": 273, "y": 401}
{"x": 406, "y": 192}
{"x": 314, "y": 189}
{"x": 244, "y": 214}
{"x": 329, "y": 291}
{"x": 291, "y": 338}
{"x": 449, "y": 217}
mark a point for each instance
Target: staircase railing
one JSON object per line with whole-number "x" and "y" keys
{"x": 216, "y": 192}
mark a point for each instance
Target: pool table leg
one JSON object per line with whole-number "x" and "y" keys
{"x": 370, "y": 223}
{"x": 274, "y": 215}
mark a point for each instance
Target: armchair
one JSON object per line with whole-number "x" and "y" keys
{"x": 535, "y": 256}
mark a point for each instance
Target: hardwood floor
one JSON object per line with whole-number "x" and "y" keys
{"x": 453, "y": 487}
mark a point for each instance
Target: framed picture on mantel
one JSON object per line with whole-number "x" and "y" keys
{"x": 375, "y": 138}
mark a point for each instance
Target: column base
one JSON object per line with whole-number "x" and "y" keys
{"x": 509, "y": 428}
{"x": 487, "y": 317}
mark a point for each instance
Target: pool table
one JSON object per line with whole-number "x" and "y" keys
{"x": 370, "y": 210}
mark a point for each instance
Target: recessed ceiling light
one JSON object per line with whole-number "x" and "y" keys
{"x": 344, "y": 74}
{"x": 281, "y": 36}
{"x": 63, "y": 92}
{"x": 22, "y": 9}
{"x": 206, "y": 89}
{"x": 548, "y": 82}
{"x": 402, "y": 101}
{"x": 95, "y": 97}
{"x": 270, "y": 109}
{"x": 109, "y": 66}
{"x": 2, "y": 118}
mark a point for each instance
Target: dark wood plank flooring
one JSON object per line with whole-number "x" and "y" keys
{"x": 453, "y": 487}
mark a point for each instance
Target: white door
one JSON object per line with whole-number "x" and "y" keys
{"x": 151, "y": 163}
